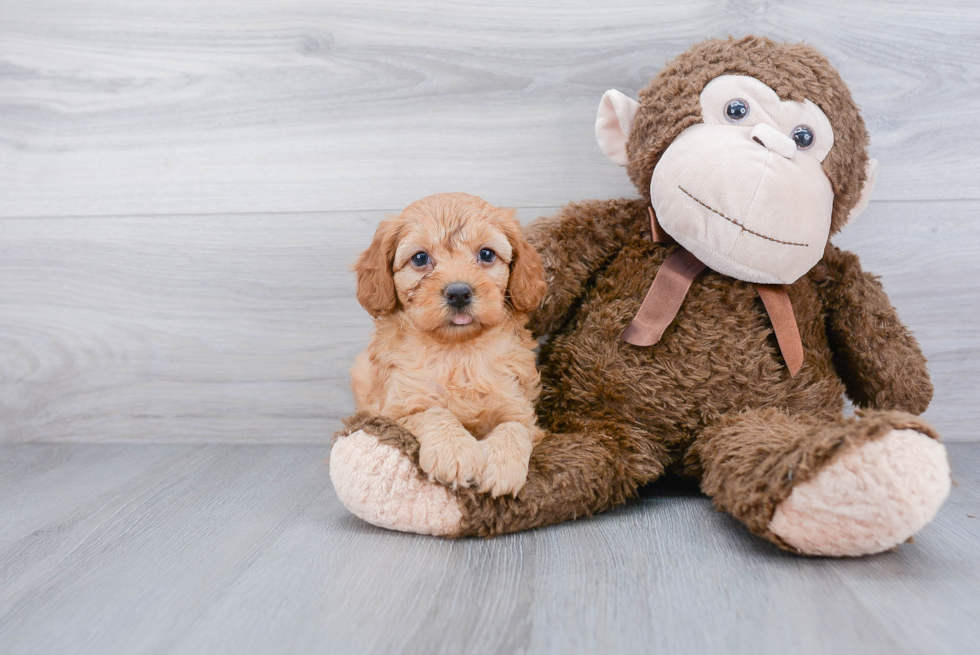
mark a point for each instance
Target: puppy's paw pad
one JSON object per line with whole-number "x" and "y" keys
{"x": 380, "y": 485}
{"x": 869, "y": 499}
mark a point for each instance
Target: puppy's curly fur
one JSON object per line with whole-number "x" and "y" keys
{"x": 455, "y": 368}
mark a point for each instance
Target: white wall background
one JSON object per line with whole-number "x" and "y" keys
{"x": 184, "y": 184}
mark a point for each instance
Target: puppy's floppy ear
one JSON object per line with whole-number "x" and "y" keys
{"x": 375, "y": 281}
{"x": 527, "y": 286}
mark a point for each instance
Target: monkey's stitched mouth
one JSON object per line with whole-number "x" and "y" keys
{"x": 734, "y": 222}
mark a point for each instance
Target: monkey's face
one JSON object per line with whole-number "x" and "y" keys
{"x": 744, "y": 190}
{"x": 753, "y": 152}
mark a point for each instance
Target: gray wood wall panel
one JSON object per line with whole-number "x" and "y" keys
{"x": 110, "y": 107}
{"x": 183, "y": 184}
{"x": 235, "y": 328}
{"x": 926, "y": 255}
{"x": 242, "y": 328}
{"x": 246, "y": 549}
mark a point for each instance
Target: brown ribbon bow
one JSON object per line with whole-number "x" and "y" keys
{"x": 670, "y": 287}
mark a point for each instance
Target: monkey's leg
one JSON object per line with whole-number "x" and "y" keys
{"x": 376, "y": 475}
{"x": 821, "y": 487}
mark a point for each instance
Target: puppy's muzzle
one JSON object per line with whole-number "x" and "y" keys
{"x": 458, "y": 295}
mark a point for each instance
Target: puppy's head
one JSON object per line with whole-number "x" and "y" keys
{"x": 453, "y": 263}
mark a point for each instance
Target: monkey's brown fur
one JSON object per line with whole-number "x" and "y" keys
{"x": 712, "y": 400}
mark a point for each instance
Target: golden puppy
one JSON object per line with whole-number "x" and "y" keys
{"x": 449, "y": 282}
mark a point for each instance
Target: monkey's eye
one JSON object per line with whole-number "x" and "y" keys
{"x": 803, "y": 136}
{"x": 420, "y": 259}
{"x": 487, "y": 256}
{"x": 736, "y": 110}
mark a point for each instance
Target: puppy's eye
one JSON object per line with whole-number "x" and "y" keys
{"x": 420, "y": 259}
{"x": 487, "y": 255}
{"x": 736, "y": 110}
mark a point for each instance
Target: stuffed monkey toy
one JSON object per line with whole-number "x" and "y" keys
{"x": 708, "y": 329}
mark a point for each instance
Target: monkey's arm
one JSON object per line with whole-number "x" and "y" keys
{"x": 574, "y": 244}
{"x": 875, "y": 354}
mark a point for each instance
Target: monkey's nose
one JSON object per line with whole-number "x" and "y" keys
{"x": 773, "y": 140}
{"x": 458, "y": 294}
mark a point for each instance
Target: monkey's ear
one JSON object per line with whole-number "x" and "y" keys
{"x": 613, "y": 123}
{"x": 869, "y": 183}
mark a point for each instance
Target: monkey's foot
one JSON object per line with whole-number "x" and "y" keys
{"x": 381, "y": 485}
{"x": 869, "y": 499}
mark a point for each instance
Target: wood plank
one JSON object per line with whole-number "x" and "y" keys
{"x": 152, "y": 557}
{"x": 28, "y": 475}
{"x": 898, "y": 585}
{"x": 229, "y": 328}
{"x": 49, "y": 516}
{"x": 232, "y": 549}
{"x": 642, "y": 579}
{"x": 926, "y": 256}
{"x": 242, "y": 328}
{"x": 111, "y": 108}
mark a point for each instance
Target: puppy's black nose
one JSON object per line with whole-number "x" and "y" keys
{"x": 458, "y": 294}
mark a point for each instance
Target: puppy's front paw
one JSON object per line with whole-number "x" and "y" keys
{"x": 455, "y": 460}
{"x": 508, "y": 452}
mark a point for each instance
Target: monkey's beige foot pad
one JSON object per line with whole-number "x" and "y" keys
{"x": 380, "y": 485}
{"x": 869, "y": 499}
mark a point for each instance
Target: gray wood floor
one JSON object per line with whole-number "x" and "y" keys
{"x": 126, "y": 548}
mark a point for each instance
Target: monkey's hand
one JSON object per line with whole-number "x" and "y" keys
{"x": 876, "y": 356}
